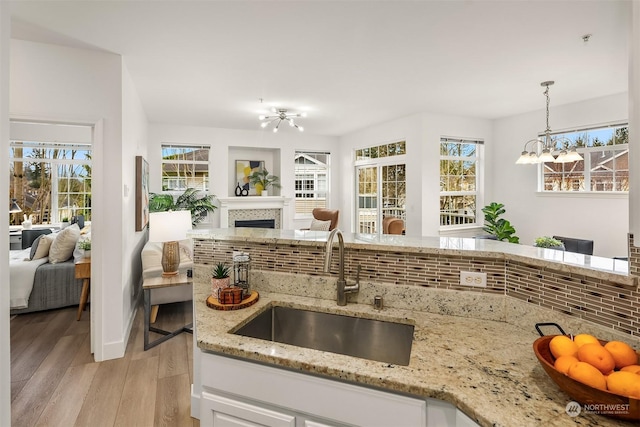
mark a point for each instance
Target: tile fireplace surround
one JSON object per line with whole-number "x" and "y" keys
{"x": 255, "y": 207}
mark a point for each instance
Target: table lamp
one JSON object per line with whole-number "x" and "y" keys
{"x": 169, "y": 227}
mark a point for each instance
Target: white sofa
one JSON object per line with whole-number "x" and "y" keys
{"x": 152, "y": 267}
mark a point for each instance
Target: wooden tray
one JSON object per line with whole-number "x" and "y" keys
{"x": 246, "y": 302}
{"x": 580, "y": 392}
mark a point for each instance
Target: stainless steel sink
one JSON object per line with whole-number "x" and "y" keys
{"x": 378, "y": 340}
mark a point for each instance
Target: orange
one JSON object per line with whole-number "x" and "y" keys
{"x": 582, "y": 339}
{"x": 624, "y": 384}
{"x": 561, "y": 345}
{"x": 563, "y": 363}
{"x": 588, "y": 374}
{"x": 598, "y": 356}
{"x": 622, "y": 353}
{"x": 632, "y": 368}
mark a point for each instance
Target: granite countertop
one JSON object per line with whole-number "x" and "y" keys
{"x": 592, "y": 266}
{"x": 486, "y": 368}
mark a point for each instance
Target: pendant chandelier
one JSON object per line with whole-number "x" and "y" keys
{"x": 542, "y": 149}
{"x": 281, "y": 115}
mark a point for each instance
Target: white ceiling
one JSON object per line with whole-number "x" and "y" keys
{"x": 349, "y": 64}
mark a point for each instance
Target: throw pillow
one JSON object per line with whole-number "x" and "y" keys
{"x": 318, "y": 225}
{"x": 64, "y": 244}
{"x": 40, "y": 247}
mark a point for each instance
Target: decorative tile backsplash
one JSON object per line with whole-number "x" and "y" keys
{"x": 599, "y": 301}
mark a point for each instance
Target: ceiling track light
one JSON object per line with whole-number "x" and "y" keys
{"x": 543, "y": 149}
{"x": 280, "y": 116}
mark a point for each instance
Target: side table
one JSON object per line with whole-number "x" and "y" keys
{"x": 83, "y": 271}
{"x": 148, "y": 285}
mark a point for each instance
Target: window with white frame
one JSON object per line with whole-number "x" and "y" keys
{"x": 381, "y": 185}
{"x": 185, "y": 166}
{"x": 50, "y": 181}
{"x": 311, "y": 170}
{"x": 459, "y": 182}
{"x": 605, "y": 168}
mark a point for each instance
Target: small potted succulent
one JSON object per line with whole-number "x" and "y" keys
{"x": 220, "y": 278}
{"x": 549, "y": 243}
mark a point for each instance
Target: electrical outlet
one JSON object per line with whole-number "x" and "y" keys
{"x": 469, "y": 278}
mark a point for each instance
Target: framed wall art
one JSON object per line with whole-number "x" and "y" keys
{"x": 244, "y": 168}
{"x": 142, "y": 193}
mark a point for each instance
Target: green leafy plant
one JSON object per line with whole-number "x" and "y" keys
{"x": 65, "y": 219}
{"x": 221, "y": 271}
{"x": 85, "y": 245}
{"x": 496, "y": 226}
{"x": 190, "y": 200}
{"x": 548, "y": 242}
{"x": 265, "y": 180}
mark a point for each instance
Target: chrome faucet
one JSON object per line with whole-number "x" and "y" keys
{"x": 343, "y": 288}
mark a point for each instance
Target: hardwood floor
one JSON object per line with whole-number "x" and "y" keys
{"x": 55, "y": 381}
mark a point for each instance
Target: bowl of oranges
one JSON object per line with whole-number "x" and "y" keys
{"x": 593, "y": 372}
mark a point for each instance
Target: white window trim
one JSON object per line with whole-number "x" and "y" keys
{"x": 479, "y": 193}
{"x": 315, "y": 176}
{"x": 182, "y": 162}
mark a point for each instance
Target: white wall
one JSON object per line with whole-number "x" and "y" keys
{"x": 5, "y": 353}
{"x": 134, "y": 143}
{"x": 63, "y": 84}
{"x": 422, "y": 134}
{"x": 603, "y": 218}
{"x": 227, "y": 144}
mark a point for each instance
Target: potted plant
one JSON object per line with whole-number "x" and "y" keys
{"x": 549, "y": 242}
{"x": 190, "y": 200}
{"x": 85, "y": 245}
{"x": 262, "y": 181}
{"x": 220, "y": 278}
{"x": 496, "y": 226}
{"x": 65, "y": 223}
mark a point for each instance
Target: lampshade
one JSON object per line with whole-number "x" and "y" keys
{"x": 169, "y": 226}
{"x": 15, "y": 208}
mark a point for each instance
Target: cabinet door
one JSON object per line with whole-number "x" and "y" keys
{"x": 221, "y": 411}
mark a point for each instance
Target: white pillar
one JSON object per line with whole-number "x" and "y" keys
{"x": 5, "y": 354}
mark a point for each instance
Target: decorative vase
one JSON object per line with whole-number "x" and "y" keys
{"x": 265, "y": 193}
{"x": 87, "y": 254}
{"x": 219, "y": 284}
{"x": 238, "y": 190}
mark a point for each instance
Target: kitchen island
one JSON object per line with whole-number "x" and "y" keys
{"x": 471, "y": 350}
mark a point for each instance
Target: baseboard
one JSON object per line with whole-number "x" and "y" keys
{"x": 195, "y": 404}
{"x": 116, "y": 349}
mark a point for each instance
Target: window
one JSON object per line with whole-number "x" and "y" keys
{"x": 381, "y": 185}
{"x": 459, "y": 188}
{"x": 605, "y": 167}
{"x": 311, "y": 181}
{"x": 51, "y": 180}
{"x": 185, "y": 166}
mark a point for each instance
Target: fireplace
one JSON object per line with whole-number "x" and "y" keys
{"x": 256, "y": 223}
{"x": 255, "y": 208}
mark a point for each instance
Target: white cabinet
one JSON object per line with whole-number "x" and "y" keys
{"x": 233, "y": 392}
{"x": 220, "y": 411}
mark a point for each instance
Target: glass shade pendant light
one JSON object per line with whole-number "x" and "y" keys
{"x": 547, "y": 144}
